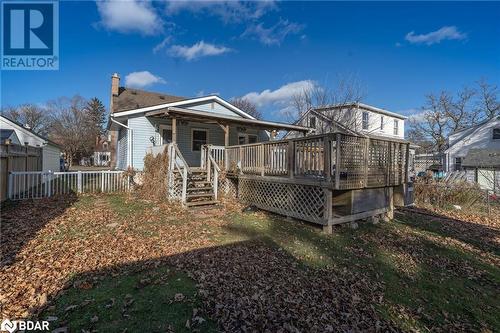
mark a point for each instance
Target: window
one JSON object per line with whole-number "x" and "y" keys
{"x": 252, "y": 139}
{"x": 381, "y": 122}
{"x": 241, "y": 139}
{"x": 458, "y": 163}
{"x": 396, "y": 127}
{"x": 312, "y": 122}
{"x": 244, "y": 139}
{"x": 199, "y": 139}
{"x": 496, "y": 134}
{"x": 365, "y": 120}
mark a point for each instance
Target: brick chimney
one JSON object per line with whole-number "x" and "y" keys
{"x": 113, "y": 134}
{"x": 115, "y": 85}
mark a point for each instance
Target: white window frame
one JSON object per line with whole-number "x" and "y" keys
{"x": 493, "y": 133}
{"x": 367, "y": 120}
{"x": 192, "y": 137}
{"x": 160, "y": 130}
{"x": 381, "y": 123}
{"x": 311, "y": 118}
{"x": 396, "y": 127}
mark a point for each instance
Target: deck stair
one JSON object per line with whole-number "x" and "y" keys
{"x": 200, "y": 191}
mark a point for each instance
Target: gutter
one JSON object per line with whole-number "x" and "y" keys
{"x": 130, "y": 142}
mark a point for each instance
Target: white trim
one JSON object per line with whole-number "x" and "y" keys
{"x": 363, "y": 106}
{"x": 184, "y": 102}
{"x": 27, "y": 132}
{"x": 192, "y": 137}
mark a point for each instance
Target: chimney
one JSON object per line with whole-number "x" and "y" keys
{"x": 115, "y": 85}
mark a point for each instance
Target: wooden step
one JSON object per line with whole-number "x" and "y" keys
{"x": 199, "y": 195}
{"x": 206, "y": 188}
{"x": 201, "y": 203}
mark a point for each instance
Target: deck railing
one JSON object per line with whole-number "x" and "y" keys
{"x": 347, "y": 161}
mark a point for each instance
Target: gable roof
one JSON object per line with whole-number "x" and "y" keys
{"x": 183, "y": 102}
{"x": 28, "y": 131}
{"x": 470, "y": 130}
{"x": 325, "y": 118}
{"x": 131, "y": 99}
{"x": 362, "y": 106}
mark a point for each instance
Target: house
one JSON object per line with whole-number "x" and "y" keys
{"x": 51, "y": 152}
{"x": 351, "y": 118}
{"x": 140, "y": 120}
{"x": 102, "y": 152}
{"x": 477, "y": 151}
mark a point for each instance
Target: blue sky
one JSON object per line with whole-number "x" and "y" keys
{"x": 397, "y": 51}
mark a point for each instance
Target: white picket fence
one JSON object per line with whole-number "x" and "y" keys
{"x": 40, "y": 184}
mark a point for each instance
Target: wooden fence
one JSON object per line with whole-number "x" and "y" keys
{"x": 38, "y": 184}
{"x": 17, "y": 158}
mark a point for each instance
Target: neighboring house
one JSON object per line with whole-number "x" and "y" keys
{"x": 353, "y": 118}
{"x": 51, "y": 151}
{"x": 477, "y": 150}
{"x": 483, "y": 136}
{"x": 140, "y": 120}
{"x": 102, "y": 152}
{"x": 9, "y": 136}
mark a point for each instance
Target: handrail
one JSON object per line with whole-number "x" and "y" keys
{"x": 216, "y": 175}
{"x": 178, "y": 153}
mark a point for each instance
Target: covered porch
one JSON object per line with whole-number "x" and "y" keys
{"x": 192, "y": 130}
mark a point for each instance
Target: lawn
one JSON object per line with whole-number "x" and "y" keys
{"x": 110, "y": 263}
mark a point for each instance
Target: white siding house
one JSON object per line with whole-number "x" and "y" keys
{"x": 140, "y": 120}
{"x": 51, "y": 152}
{"x": 357, "y": 118}
{"x": 485, "y": 135}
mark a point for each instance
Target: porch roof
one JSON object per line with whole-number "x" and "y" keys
{"x": 209, "y": 117}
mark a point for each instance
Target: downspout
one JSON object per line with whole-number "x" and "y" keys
{"x": 129, "y": 142}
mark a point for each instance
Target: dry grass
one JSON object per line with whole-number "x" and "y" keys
{"x": 155, "y": 177}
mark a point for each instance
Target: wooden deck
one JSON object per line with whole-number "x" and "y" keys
{"x": 325, "y": 179}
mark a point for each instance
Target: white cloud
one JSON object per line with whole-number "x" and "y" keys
{"x": 435, "y": 37}
{"x": 280, "y": 98}
{"x": 198, "y": 50}
{"x": 160, "y": 46}
{"x": 129, "y": 16}
{"x": 228, "y": 11}
{"x": 142, "y": 79}
{"x": 273, "y": 35}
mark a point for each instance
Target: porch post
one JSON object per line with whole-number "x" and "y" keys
{"x": 226, "y": 135}
{"x": 174, "y": 130}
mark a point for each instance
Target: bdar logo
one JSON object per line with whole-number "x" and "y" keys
{"x": 7, "y": 325}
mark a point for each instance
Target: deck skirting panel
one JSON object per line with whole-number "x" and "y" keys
{"x": 305, "y": 202}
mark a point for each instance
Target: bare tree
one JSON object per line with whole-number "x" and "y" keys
{"x": 30, "y": 115}
{"x": 445, "y": 113}
{"x": 247, "y": 106}
{"x": 488, "y": 104}
{"x": 71, "y": 128}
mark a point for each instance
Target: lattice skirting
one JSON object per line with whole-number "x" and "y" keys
{"x": 304, "y": 202}
{"x": 228, "y": 187}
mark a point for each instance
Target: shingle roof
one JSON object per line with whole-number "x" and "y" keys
{"x": 486, "y": 158}
{"x": 129, "y": 99}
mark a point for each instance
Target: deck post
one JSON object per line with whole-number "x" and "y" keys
{"x": 390, "y": 211}
{"x": 291, "y": 157}
{"x": 328, "y": 211}
{"x": 79, "y": 180}
{"x": 407, "y": 162}
{"x": 327, "y": 155}
{"x": 174, "y": 130}
{"x": 367, "y": 150}
{"x": 337, "y": 161}
{"x": 261, "y": 153}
